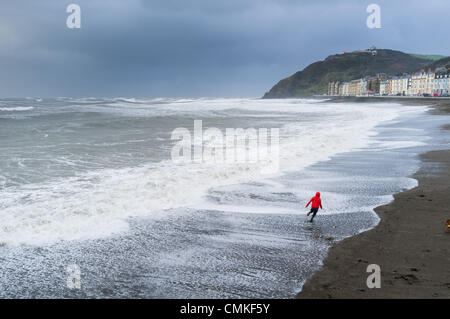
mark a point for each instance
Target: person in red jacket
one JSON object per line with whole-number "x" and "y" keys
{"x": 315, "y": 204}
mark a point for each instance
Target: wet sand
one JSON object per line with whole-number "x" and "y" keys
{"x": 410, "y": 243}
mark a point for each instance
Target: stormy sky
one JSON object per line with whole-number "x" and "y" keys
{"x": 195, "y": 48}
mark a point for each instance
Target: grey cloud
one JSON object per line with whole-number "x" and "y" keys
{"x": 195, "y": 47}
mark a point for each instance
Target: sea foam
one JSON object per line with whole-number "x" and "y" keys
{"x": 99, "y": 203}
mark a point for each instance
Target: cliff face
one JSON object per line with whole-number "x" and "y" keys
{"x": 345, "y": 67}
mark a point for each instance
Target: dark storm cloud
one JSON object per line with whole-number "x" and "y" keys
{"x": 195, "y": 47}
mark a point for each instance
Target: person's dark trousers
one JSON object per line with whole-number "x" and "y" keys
{"x": 314, "y": 212}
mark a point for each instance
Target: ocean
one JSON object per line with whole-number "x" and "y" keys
{"x": 91, "y": 182}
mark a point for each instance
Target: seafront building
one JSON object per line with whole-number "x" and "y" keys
{"x": 401, "y": 85}
{"x": 374, "y": 83}
{"x": 355, "y": 87}
{"x": 344, "y": 89}
{"x": 333, "y": 88}
{"x": 425, "y": 82}
{"x": 385, "y": 87}
{"x": 442, "y": 83}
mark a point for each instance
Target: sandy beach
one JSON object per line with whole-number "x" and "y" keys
{"x": 409, "y": 244}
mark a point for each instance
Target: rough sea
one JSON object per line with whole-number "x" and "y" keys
{"x": 91, "y": 182}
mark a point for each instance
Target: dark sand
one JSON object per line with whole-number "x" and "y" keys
{"x": 409, "y": 244}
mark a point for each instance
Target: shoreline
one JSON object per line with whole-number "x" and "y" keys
{"x": 437, "y": 102}
{"x": 409, "y": 244}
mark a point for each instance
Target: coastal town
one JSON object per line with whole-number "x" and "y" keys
{"x": 427, "y": 82}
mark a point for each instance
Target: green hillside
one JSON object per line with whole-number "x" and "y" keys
{"x": 432, "y": 57}
{"x": 442, "y": 62}
{"x": 314, "y": 78}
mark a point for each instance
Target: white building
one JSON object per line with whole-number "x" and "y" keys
{"x": 422, "y": 82}
{"x": 400, "y": 85}
{"x": 385, "y": 88}
{"x": 442, "y": 82}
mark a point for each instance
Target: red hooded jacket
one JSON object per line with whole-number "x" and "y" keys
{"x": 316, "y": 202}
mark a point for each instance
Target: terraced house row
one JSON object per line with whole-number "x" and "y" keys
{"x": 426, "y": 82}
